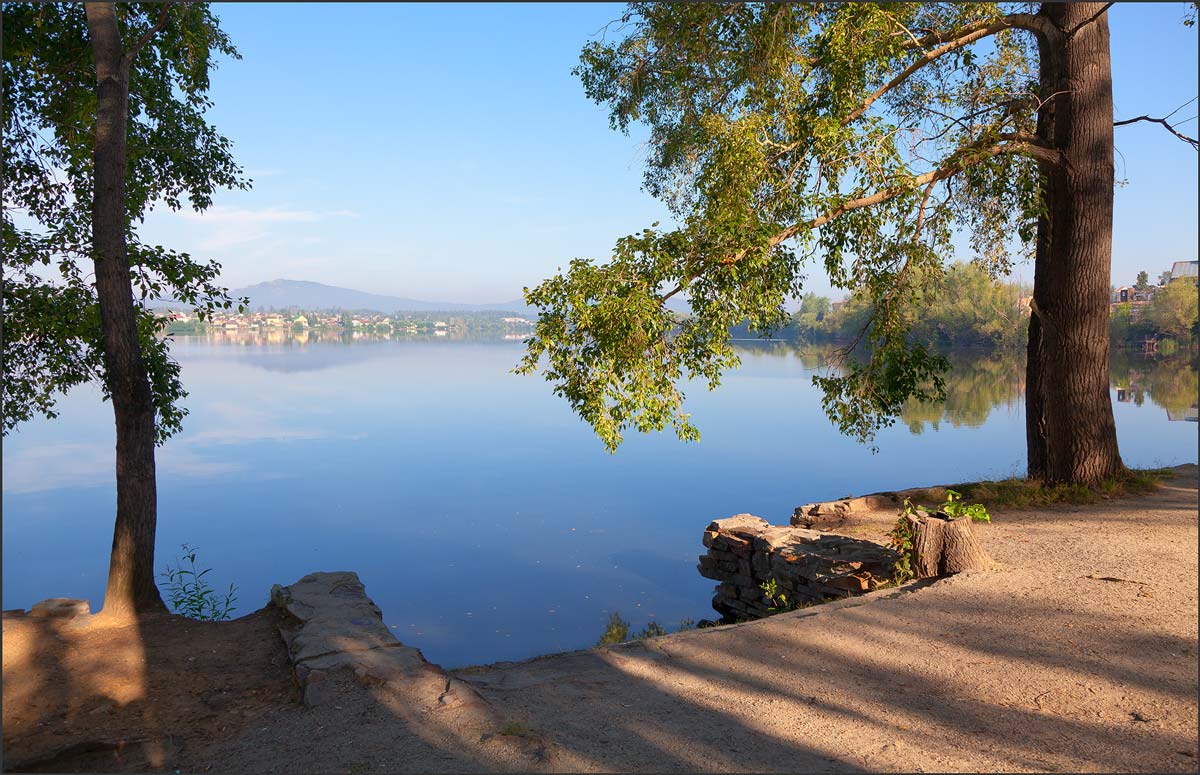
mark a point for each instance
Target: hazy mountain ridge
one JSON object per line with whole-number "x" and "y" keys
{"x": 281, "y": 294}
{"x": 308, "y": 295}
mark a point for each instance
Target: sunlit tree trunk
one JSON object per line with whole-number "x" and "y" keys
{"x": 131, "y": 587}
{"x": 1072, "y": 434}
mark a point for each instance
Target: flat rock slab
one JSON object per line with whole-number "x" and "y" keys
{"x": 338, "y": 626}
{"x": 847, "y": 511}
{"x": 61, "y": 608}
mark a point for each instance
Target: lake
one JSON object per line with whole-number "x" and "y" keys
{"x": 485, "y": 519}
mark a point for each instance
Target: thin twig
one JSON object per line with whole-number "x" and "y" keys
{"x": 1189, "y": 140}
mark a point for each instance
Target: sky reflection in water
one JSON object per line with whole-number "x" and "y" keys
{"x": 485, "y": 519}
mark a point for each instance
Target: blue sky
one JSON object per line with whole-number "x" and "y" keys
{"x": 445, "y": 152}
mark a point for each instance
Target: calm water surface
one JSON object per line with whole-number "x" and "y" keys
{"x": 485, "y": 519}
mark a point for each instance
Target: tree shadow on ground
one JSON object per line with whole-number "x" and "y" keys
{"x": 92, "y": 694}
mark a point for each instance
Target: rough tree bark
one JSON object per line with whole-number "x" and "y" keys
{"x": 942, "y": 546}
{"x": 131, "y": 588}
{"x": 1071, "y": 434}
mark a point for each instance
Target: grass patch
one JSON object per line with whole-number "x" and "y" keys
{"x": 1028, "y": 493}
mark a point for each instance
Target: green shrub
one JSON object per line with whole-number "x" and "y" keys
{"x": 618, "y": 630}
{"x": 190, "y": 594}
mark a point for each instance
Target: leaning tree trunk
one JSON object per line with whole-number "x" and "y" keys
{"x": 943, "y": 546}
{"x": 131, "y": 587}
{"x": 1072, "y": 436}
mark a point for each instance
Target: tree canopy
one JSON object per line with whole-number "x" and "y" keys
{"x": 52, "y": 339}
{"x": 1173, "y": 310}
{"x": 862, "y": 134}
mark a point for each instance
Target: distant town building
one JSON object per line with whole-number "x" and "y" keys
{"x": 1183, "y": 270}
{"x": 1190, "y": 414}
{"x": 1128, "y": 294}
{"x": 1134, "y": 298}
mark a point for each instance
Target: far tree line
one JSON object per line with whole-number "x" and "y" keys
{"x": 974, "y": 310}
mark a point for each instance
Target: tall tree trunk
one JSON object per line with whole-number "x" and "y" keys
{"x": 1072, "y": 436}
{"x": 131, "y": 587}
{"x": 1035, "y": 426}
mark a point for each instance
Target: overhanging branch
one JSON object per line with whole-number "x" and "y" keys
{"x": 966, "y": 157}
{"x": 1025, "y": 21}
{"x": 127, "y": 60}
{"x": 960, "y": 38}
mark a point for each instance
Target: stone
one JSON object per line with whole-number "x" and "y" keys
{"x": 336, "y": 626}
{"x": 738, "y": 522}
{"x": 61, "y": 608}
{"x": 806, "y": 565}
{"x": 827, "y": 514}
{"x": 336, "y": 615}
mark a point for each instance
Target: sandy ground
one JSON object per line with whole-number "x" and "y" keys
{"x": 1077, "y": 653}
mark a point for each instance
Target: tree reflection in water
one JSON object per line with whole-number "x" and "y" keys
{"x": 1171, "y": 383}
{"x": 980, "y": 381}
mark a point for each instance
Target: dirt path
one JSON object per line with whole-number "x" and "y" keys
{"x": 1041, "y": 665}
{"x": 1078, "y": 653}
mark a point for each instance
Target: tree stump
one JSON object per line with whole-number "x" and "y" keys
{"x": 942, "y": 546}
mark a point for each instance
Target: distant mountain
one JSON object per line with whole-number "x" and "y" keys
{"x": 281, "y": 294}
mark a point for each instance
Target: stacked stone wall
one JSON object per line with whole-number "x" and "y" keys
{"x": 808, "y": 566}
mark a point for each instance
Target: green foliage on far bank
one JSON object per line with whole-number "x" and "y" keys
{"x": 964, "y": 307}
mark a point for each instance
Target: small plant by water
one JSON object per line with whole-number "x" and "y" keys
{"x": 190, "y": 594}
{"x": 903, "y": 536}
{"x": 619, "y": 630}
{"x": 777, "y": 602}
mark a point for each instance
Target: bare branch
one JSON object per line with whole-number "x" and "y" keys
{"x": 127, "y": 60}
{"x": 1189, "y": 140}
{"x": 1089, "y": 20}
